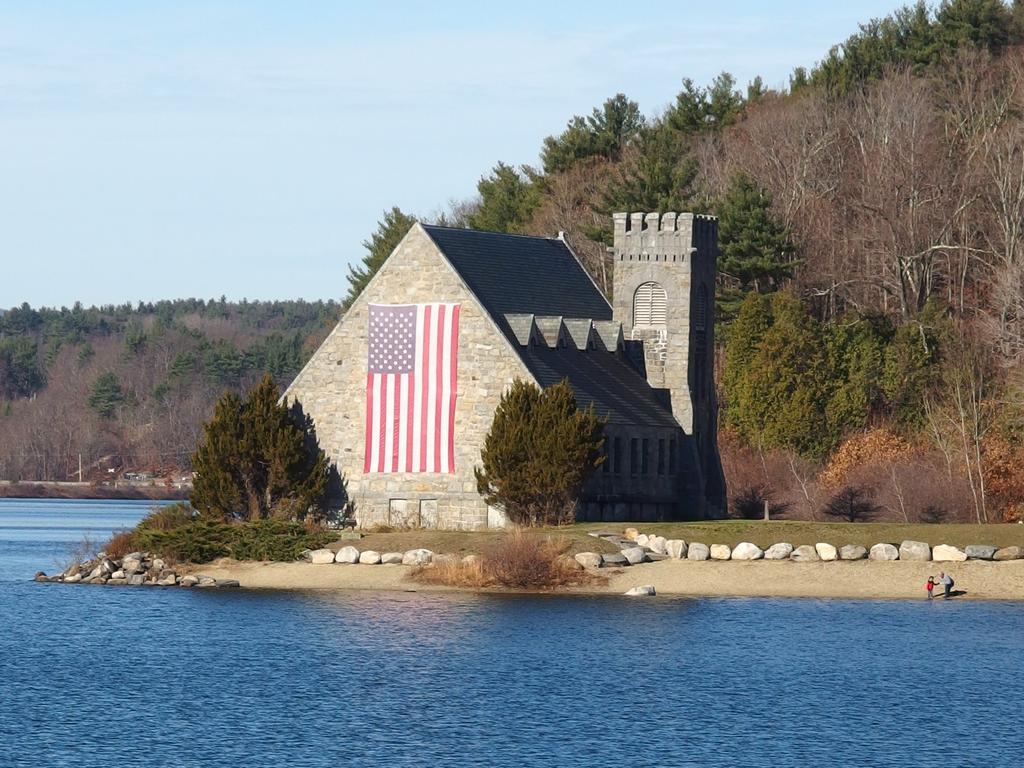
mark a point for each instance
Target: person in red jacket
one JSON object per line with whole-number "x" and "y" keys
{"x": 930, "y": 586}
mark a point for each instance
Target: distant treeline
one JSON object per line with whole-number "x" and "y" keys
{"x": 130, "y": 385}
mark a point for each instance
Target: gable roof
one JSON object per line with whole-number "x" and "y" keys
{"x": 518, "y": 274}
{"x": 515, "y": 276}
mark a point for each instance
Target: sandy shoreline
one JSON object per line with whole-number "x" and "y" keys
{"x": 865, "y": 579}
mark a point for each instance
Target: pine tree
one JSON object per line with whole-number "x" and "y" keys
{"x": 390, "y": 231}
{"x": 507, "y": 199}
{"x": 105, "y": 395}
{"x": 259, "y": 458}
{"x": 538, "y": 453}
{"x": 603, "y": 134}
{"x": 755, "y": 247}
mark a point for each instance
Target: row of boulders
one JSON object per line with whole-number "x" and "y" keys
{"x": 350, "y": 555}
{"x": 137, "y": 569}
{"x": 635, "y": 547}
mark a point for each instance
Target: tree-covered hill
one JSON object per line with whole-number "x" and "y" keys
{"x": 131, "y": 385}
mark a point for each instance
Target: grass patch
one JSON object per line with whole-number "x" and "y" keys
{"x": 517, "y": 559}
{"x": 463, "y": 543}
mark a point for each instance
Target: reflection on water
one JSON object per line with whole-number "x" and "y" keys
{"x": 100, "y": 675}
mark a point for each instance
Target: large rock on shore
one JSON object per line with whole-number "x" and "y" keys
{"x": 747, "y": 551}
{"x": 698, "y": 551}
{"x": 347, "y": 555}
{"x": 369, "y": 557}
{"x": 642, "y": 539}
{"x": 826, "y": 552}
{"x": 588, "y": 559}
{"x": 805, "y": 553}
{"x": 614, "y": 560}
{"x": 720, "y": 552}
{"x": 945, "y": 553}
{"x": 631, "y": 533}
{"x": 980, "y": 552}
{"x": 884, "y": 552}
{"x": 852, "y": 552}
{"x": 321, "y": 556}
{"x": 647, "y": 590}
{"x": 1009, "y": 553}
{"x": 915, "y": 550}
{"x": 634, "y": 555}
{"x": 780, "y": 551}
{"x": 657, "y": 544}
{"x": 391, "y": 558}
{"x": 676, "y": 549}
{"x": 413, "y": 557}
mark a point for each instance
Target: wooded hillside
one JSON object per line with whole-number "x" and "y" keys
{"x": 130, "y": 386}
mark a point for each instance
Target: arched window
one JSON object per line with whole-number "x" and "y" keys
{"x": 649, "y": 306}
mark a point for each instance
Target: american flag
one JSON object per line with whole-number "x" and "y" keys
{"x": 411, "y": 374}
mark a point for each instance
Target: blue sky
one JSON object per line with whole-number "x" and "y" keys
{"x": 171, "y": 149}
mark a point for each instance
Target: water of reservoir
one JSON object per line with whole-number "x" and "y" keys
{"x": 108, "y": 676}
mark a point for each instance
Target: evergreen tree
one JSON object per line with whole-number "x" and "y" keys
{"x": 259, "y": 458}
{"x": 507, "y": 199}
{"x": 658, "y": 175}
{"x": 603, "y": 134}
{"x": 106, "y": 395}
{"x": 778, "y": 387}
{"x": 20, "y": 373}
{"x": 856, "y": 359}
{"x": 390, "y": 231}
{"x": 538, "y": 453}
{"x": 698, "y": 109}
{"x": 977, "y": 23}
{"x": 756, "y": 250}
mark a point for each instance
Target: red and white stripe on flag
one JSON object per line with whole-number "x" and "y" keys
{"x": 412, "y": 372}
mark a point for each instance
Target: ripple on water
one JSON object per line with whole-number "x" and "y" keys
{"x": 94, "y": 675}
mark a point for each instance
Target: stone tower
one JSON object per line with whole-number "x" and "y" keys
{"x": 664, "y": 296}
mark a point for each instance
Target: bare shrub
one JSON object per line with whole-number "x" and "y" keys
{"x": 78, "y": 553}
{"x": 748, "y": 503}
{"x": 854, "y": 504}
{"x": 120, "y": 544}
{"x": 519, "y": 560}
{"x": 453, "y": 572}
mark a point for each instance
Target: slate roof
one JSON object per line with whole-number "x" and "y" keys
{"x": 517, "y": 274}
{"x": 616, "y": 390}
{"x": 522, "y": 275}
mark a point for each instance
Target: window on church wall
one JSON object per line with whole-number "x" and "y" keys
{"x": 649, "y": 306}
{"x": 671, "y": 457}
{"x": 643, "y": 456}
{"x": 634, "y": 456}
{"x": 617, "y": 456}
{"x": 606, "y": 465}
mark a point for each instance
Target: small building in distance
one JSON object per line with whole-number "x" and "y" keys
{"x": 403, "y": 390}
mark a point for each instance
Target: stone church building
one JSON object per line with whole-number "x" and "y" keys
{"x": 524, "y": 308}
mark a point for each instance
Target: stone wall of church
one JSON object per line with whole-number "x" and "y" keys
{"x": 332, "y": 389}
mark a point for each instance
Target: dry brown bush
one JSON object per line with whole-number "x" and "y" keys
{"x": 519, "y": 560}
{"x": 120, "y": 544}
